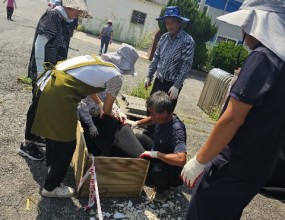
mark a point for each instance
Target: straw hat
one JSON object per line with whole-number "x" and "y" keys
{"x": 264, "y": 20}
{"x": 80, "y": 5}
{"x": 124, "y": 58}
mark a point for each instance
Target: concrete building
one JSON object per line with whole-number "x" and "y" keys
{"x": 215, "y": 8}
{"x": 133, "y": 20}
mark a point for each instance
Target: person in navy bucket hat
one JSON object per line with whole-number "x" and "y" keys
{"x": 173, "y": 11}
{"x": 172, "y": 59}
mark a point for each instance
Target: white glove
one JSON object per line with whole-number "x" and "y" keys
{"x": 133, "y": 124}
{"x": 147, "y": 82}
{"x": 121, "y": 115}
{"x": 173, "y": 92}
{"x": 149, "y": 154}
{"x": 191, "y": 172}
{"x": 93, "y": 132}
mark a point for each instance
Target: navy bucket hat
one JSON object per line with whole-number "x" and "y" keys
{"x": 173, "y": 11}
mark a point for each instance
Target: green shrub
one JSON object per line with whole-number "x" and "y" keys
{"x": 80, "y": 27}
{"x": 225, "y": 56}
{"x": 140, "y": 91}
{"x": 200, "y": 56}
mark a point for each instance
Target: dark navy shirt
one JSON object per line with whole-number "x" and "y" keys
{"x": 256, "y": 145}
{"x": 170, "y": 137}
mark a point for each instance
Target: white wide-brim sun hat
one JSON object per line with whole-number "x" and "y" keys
{"x": 124, "y": 58}
{"x": 264, "y": 20}
{"x": 80, "y": 5}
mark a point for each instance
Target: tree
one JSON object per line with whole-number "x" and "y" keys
{"x": 199, "y": 27}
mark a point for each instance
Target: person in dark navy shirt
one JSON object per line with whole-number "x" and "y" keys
{"x": 241, "y": 152}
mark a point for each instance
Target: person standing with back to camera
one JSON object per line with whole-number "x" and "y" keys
{"x": 173, "y": 57}
{"x": 106, "y": 36}
{"x": 241, "y": 152}
{"x": 50, "y": 44}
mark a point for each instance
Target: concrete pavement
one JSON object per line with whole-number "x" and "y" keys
{"x": 96, "y": 41}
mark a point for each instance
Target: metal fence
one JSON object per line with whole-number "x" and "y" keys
{"x": 215, "y": 90}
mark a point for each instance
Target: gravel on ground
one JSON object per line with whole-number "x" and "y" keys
{"x": 21, "y": 180}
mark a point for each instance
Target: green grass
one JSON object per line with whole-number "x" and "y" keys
{"x": 24, "y": 80}
{"x": 215, "y": 113}
{"x": 140, "y": 91}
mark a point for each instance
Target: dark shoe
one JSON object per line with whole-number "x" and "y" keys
{"x": 31, "y": 151}
{"x": 40, "y": 141}
{"x": 162, "y": 196}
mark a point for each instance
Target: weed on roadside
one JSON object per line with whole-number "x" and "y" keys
{"x": 24, "y": 80}
{"x": 140, "y": 91}
{"x": 215, "y": 112}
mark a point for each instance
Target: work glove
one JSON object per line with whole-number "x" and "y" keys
{"x": 173, "y": 92}
{"x": 120, "y": 115}
{"x": 133, "y": 124}
{"x": 147, "y": 82}
{"x": 191, "y": 172}
{"x": 149, "y": 154}
{"x": 93, "y": 132}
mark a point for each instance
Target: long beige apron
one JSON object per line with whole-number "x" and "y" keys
{"x": 56, "y": 115}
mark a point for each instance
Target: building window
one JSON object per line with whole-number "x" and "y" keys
{"x": 138, "y": 17}
{"x": 221, "y": 38}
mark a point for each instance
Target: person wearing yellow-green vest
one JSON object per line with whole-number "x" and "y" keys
{"x": 59, "y": 91}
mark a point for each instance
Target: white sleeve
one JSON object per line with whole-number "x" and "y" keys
{"x": 40, "y": 44}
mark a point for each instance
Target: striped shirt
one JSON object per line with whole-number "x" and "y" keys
{"x": 173, "y": 58}
{"x": 55, "y": 28}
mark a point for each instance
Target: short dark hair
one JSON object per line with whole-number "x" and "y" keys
{"x": 160, "y": 101}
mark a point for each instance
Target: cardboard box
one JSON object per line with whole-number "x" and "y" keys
{"x": 116, "y": 176}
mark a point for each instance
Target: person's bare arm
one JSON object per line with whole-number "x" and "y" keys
{"x": 175, "y": 159}
{"x": 145, "y": 121}
{"x": 108, "y": 104}
{"x": 95, "y": 98}
{"x": 224, "y": 130}
{"x": 111, "y": 37}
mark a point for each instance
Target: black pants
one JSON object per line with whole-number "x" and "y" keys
{"x": 160, "y": 174}
{"x": 58, "y": 157}
{"x": 31, "y": 115}
{"x": 220, "y": 196}
{"x": 10, "y": 11}
{"x": 105, "y": 41}
{"x": 114, "y": 139}
{"x": 102, "y": 144}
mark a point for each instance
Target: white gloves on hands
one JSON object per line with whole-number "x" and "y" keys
{"x": 149, "y": 154}
{"x": 133, "y": 124}
{"x": 147, "y": 82}
{"x": 173, "y": 92}
{"x": 120, "y": 115}
{"x": 93, "y": 131}
{"x": 191, "y": 172}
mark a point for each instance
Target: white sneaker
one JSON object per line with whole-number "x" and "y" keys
{"x": 59, "y": 192}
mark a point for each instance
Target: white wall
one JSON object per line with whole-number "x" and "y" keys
{"x": 120, "y": 12}
{"x": 224, "y": 29}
